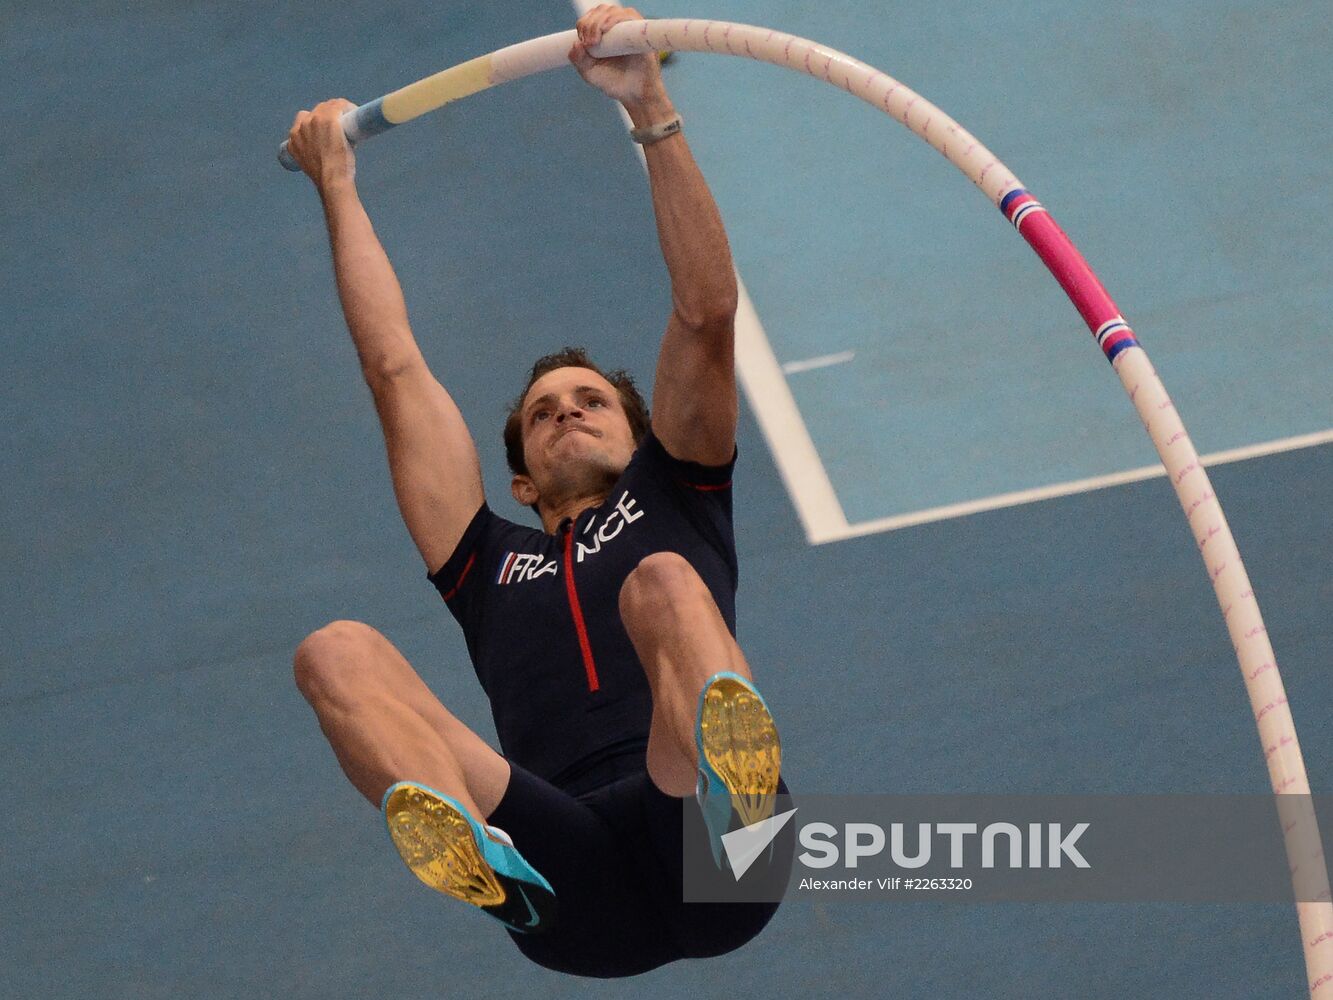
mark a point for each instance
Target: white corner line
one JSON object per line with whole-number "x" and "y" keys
{"x": 823, "y": 361}
{"x": 1067, "y": 489}
{"x": 794, "y": 453}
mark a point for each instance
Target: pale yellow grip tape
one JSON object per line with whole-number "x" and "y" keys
{"x": 435, "y": 91}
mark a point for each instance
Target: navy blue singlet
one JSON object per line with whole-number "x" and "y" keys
{"x": 541, "y": 612}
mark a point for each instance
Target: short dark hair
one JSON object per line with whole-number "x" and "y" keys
{"x": 636, "y": 410}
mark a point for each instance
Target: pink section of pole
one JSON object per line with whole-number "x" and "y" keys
{"x": 1064, "y": 261}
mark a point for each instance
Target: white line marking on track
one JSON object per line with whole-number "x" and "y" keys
{"x": 794, "y": 452}
{"x": 823, "y": 361}
{"x": 1002, "y": 500}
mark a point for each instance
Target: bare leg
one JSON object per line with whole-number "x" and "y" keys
{"x": 682, "y": 640}
{"x": 385, "y": 725}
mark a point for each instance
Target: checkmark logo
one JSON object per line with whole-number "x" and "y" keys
{"x": 528, "y": 903}
{"x": 744, "y": 846}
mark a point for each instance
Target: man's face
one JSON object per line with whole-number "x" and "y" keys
{"x": 576, "y": 436}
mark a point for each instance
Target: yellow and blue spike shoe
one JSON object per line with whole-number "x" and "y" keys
{"x": 740, "y": 756}
{"x": 451, "y": 852}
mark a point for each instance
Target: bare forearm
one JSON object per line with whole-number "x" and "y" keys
{"x": 372, "y": 299}
{"x": 689, "y": 226}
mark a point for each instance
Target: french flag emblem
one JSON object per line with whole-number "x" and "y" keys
{"x": 520, "y": 566}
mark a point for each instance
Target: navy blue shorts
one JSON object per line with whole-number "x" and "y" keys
{"x": 611, "y": 847}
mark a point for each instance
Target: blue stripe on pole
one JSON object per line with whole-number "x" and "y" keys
{"x": 1009, "y": 198}
{"x": 1119, "y": 346}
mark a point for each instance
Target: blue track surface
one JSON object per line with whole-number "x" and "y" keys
{"x": 195, "y": 480}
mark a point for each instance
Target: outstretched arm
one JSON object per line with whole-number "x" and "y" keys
{"x": 694, "y": 394}
{"x": 432, "y": 458}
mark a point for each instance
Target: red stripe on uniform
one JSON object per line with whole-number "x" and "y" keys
{"x": 461, "y": 577}
{"x": 709, "y": 488}
{"x": 577, "y": 612}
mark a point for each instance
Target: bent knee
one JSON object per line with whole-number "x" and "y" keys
{"x": 330, "y": 654}
{"x": 663, "y": 578}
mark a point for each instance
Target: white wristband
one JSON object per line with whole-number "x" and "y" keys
{"x": 650, "y": 134}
